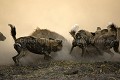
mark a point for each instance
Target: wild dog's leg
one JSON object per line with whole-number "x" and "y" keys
{"x": 100, "y": 53}
{"x": 22, "y": 54}
{"x": 116, "y": 47}
{"x": 71, "y": 49}
{"x": 18, "y": 56}
{"x": 17, "y": 47}
{"x": 83, "y": 51}
{"x": 15, "y": 59}
{"x": 109, "y": 52}
{"x": 73, "y": 45}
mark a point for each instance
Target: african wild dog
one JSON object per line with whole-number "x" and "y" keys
{"x": 82, "y": 39}
{"x": 107, "y": 39}
{"x": 102, "y": 40}
{"x": 42, "y": 46}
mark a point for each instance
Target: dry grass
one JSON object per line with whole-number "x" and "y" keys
{"x": 62, "y": 70}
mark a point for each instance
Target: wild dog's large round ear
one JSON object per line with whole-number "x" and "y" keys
{"x": 98, "y": 28}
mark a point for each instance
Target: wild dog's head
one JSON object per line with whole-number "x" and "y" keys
{"x": 104, "y": 31}
{"x": 56, "y": 44}
{"x": 83, "y": 34}
{"x": 2, "y": 37}
{"x": 81, "y": 38}
{"x": 100, "y": 32}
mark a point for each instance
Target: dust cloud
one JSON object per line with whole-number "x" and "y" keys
{"x": 56, "y": 16}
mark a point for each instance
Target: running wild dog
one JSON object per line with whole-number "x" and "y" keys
{"x": 107, "y": 39}
{"x": 42, "y": 46}
{"x": 82, "y": 39}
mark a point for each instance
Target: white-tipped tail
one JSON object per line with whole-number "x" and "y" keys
{"x": 75, "y": 28}
{"x": 110, "y": 23}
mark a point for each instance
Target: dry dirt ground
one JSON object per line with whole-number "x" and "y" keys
{"x": 62, "y": 70}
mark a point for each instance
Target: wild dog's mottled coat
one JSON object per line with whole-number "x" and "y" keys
{"x": 36, "y": 45}
{"x": 102, "y": 40}
{"x": 82, "y": 38}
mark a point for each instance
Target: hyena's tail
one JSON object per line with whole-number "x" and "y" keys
{"x": 13, "y": 31}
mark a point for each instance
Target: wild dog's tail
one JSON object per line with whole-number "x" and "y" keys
{"x": 74, "y": 30}
{"x": 13, "y": 31}
{"x": 118, "y": 33}
{"x": 112, "y": 27}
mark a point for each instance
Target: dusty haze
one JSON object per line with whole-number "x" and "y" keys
{"x": 56, "y": 15}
